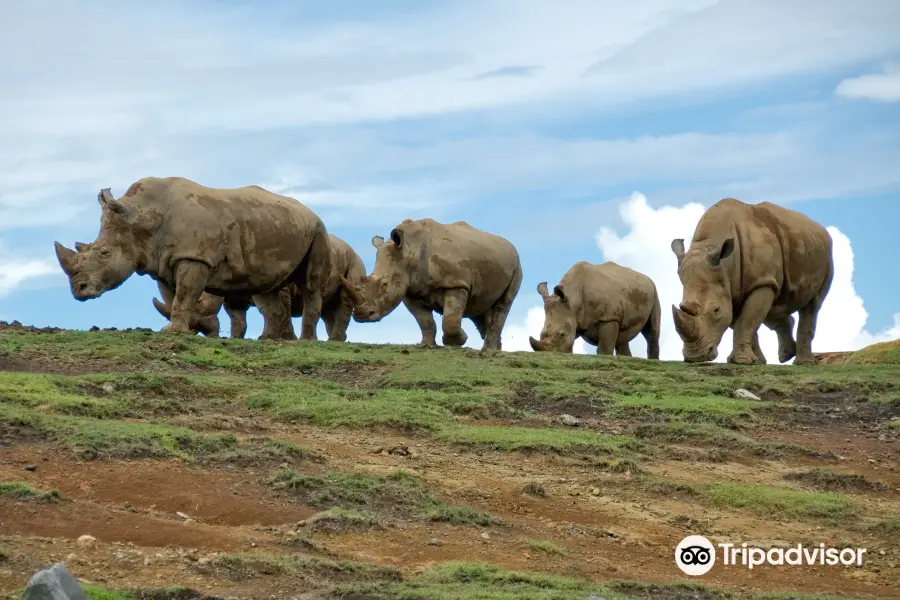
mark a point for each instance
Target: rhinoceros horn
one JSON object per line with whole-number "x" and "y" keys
{"x": 685, "y": 324}
{"x": 162, "y": 308}
{"x": 81, "y": 246}
{"x": 64, "y": 256}
{"x": 351, "y": 290}
{"x": 536, "y": 345}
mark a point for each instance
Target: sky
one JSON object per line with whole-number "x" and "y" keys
{"x": 578, "y": 129}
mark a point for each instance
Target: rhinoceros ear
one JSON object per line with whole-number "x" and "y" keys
{"x": 397, "y": 237}
{"x": 377, "y": 241}
{"x": 107, "y": 202}
{"x": 560, "y": 292}
{"x": 542, "y": 290}
{"x": 678, "y": 248}
{"x": 717, "y": 255}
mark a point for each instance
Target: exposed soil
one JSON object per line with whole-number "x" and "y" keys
{"x": 160, "y": 523}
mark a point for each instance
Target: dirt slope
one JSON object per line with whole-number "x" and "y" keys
{"x": 244, "y": 469}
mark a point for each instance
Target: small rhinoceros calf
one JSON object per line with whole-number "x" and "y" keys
{"x": 336, "y": 305}
{"x": 454, "y": 269}
{"x": 232, "y": 243}
{"x": 748, "y": 265}
{"x": 607, "y": 305}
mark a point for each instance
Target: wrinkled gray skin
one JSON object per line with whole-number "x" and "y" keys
{"x": 453, "y": 269}
{"x": 232, "y": 243}
{"x": 607, "y": 305}
{"x": 748, "y": 265}
{"x": 336, "y": 305}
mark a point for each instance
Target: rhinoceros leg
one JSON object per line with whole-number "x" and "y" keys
{"x": 318, "y": 268}
{"x": 757, "y": 350}
{"x": 190, "y": 280}
{"x": 784, "y": 328}
{"x": 756, "y": 306}
{"x": 337, "y": 319}
{"x": 237, "y": 313}
{"x": 482, "y": 323}
{"x": 651, "y": 331}
{"x": 623, "y": 349}
{"x": 276, "y": 311}
{"x": 424, "y": 316}
{"x": 500, "y": 311}
{"x": 607, "y": 336}
{"x": 454, "y": 306}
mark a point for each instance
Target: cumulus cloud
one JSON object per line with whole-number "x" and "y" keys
{"x": 16, "y": 271}
{"x": 880, "y": 87}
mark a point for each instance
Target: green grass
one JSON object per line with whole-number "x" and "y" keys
{"x": 894, "y": 426}
{"x": 535, "y": 438}
{"x": 782, "y": 503}
{"x": 398, "y": 495}
{"x": 96, "y": 439}
{"x": 341, "y": 520}
{"x": 547, "y": 547}
{"x": 710, "y": 406}
{"x": 256, "y": 564}
{"x": 888, "y": 527}
{"x": 706, "y": 434}
{"x": 22, "y": 491}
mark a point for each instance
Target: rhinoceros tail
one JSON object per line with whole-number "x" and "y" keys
{"x": 162, "y": 308}
{"x": 652, "y": 327}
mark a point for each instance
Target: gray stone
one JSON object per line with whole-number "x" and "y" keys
{"x": 55, "y": 583}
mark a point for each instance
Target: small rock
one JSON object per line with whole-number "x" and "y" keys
{"x": 485, "y": 536}
{"x": 595, "y": 491}
{"x": 71, "y": 558}
{"x": 569, "y": 420}
{"x": 108, "y": 387}
{"x": 401, "y": 450}
{"x": 872, "y": 461}
{"x": 31, "y": 467}
{"x": 745, "y": 394}
{"x": 435, "y": 542}
{"x": 183, "y": 516}
{"x": 86, "y": 540}
{"x": 594, "y": 598}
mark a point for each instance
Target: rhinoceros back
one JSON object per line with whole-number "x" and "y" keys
{"x": 459, "y": 255}
{"x": 251, "y": 238}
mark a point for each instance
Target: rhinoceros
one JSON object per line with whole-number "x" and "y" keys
{"x": 606, "y": 304}
{"x": 453, "y": 269}
{"x": 747, "y": 265}
{"x": 336, "y": 305}
{"x": 234, "y": 242}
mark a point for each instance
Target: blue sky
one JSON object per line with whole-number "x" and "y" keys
{"x": 538, "y": 121}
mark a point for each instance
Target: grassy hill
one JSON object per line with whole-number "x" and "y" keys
{"x": 239, "y": 468}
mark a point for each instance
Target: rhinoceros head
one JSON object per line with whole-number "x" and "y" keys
{"x": 558, "y": 333}
{"x": 376, "y": 295}
{"x": 705, "y": 311}
{"x": 106, "y": 263}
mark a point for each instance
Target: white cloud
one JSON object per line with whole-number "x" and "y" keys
{"x": 645, "y": 248}
{"x": 16, "y": 271}
{"x": 880, "y": 87}
{"x": 95, "y": 117}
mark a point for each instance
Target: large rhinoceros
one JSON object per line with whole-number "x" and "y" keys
{"x": 750, "y": 264}
{"x": 453, "y": 269}
{"x": 230, "y": 242}
{"x": 606, "y": 304}
{"x": 336, "y": 305}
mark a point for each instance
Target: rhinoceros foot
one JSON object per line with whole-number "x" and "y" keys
{"x": 787, "y": 351}
{"x": 743, "y": 358}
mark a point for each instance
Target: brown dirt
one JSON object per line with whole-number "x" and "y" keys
{"x": 611, "y": 526}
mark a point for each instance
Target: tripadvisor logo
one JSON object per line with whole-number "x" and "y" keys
{"x": 695, "y": 555}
